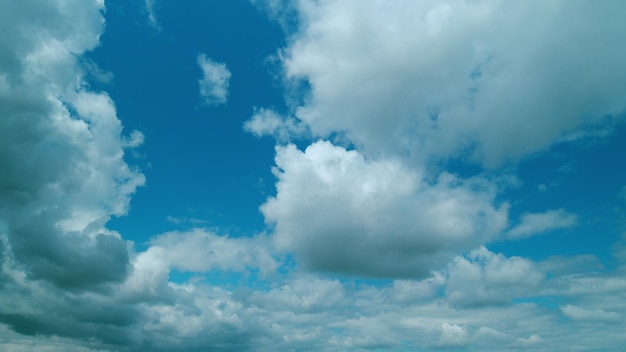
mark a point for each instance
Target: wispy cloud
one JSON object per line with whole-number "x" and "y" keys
{"x": 151, "y": 12}
{"x": 535, "y": 223}
{"x": 214, "y": 81}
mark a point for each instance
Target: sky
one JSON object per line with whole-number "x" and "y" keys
{"x": 311, "y": 175}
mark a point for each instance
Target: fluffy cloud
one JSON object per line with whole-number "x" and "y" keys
{"x": 61, "y": 149}
{"x": 495, "y": 81}
{"x": 197, "y": 251}
{"x": 307, "y": 312}
{"x": 485, "y": 278}
{"x": 340, "y": 212}
{"x": 214, "y": 82}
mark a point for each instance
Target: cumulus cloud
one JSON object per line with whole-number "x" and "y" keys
{"x": 63, "y": 177}
{"x": 486, "y": 278}
{"x": 535, "y": 223}
{"x": 214, "y": 82}
{"x": 201, "y": 251}
{"x": 62, "y": 150}
{"x": 483, "y": 78}
{"x": 452, "y": 335}
{"x": 340, "y": 212}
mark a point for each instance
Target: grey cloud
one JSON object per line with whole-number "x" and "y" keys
{"x": 63, "y": 176}
{"x": 61, "y": 151}
{"x": 71, "y": 261}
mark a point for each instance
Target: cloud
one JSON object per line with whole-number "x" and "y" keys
{"x": 481, "y": 79}
{"x": 196, "y": 251}
{"x": 201, "y": 251}
{"x": 485, "y": 278}
{"x": 619, "y": 249}
{"x": 62, "y": 150}
{"x": 265, "y": 122}
{"x": 452, "y": 336}
{"x": 302, "y": 295}
{"x": 152, "y": 19}
{"x": 594, "y": 315}
{"x": 297, "y": 311}
{"x": 535, "y": 223}
{"x": 530, "y": 341}
{"x": 214, "y": 82}
{"x": 340, "y": 212}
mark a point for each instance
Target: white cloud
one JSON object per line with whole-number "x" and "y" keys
{"x": 265, "y": 122}
{"x": 535, "y": 223}
{"x": 452, "y": 336}
{"x": 442, "y": 78}
{"x": 196, "y": 251}
{"x": 530, "y": 341}
{"x": 302, "y": 294}
{"x": 135, "y": 139}
{"x": 485, "y": 278}
{"x": 214, "y": 82}
{"x": 202, "y": 251}
{"x": 411, "y": 291}
{"x": 340, "y": 212}
{"x": 594, "y": 315}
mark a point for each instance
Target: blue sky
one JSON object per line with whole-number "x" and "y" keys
{"x": 312, "y": 175}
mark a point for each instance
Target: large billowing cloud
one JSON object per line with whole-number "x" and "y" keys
{"x": 61, "y": 149}
{"x": 63, "y": 175}
{"x": 436, "y": 79}
{"x": 341, "y": 212}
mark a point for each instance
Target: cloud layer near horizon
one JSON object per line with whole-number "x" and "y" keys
{"x": 68, "y": 283}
